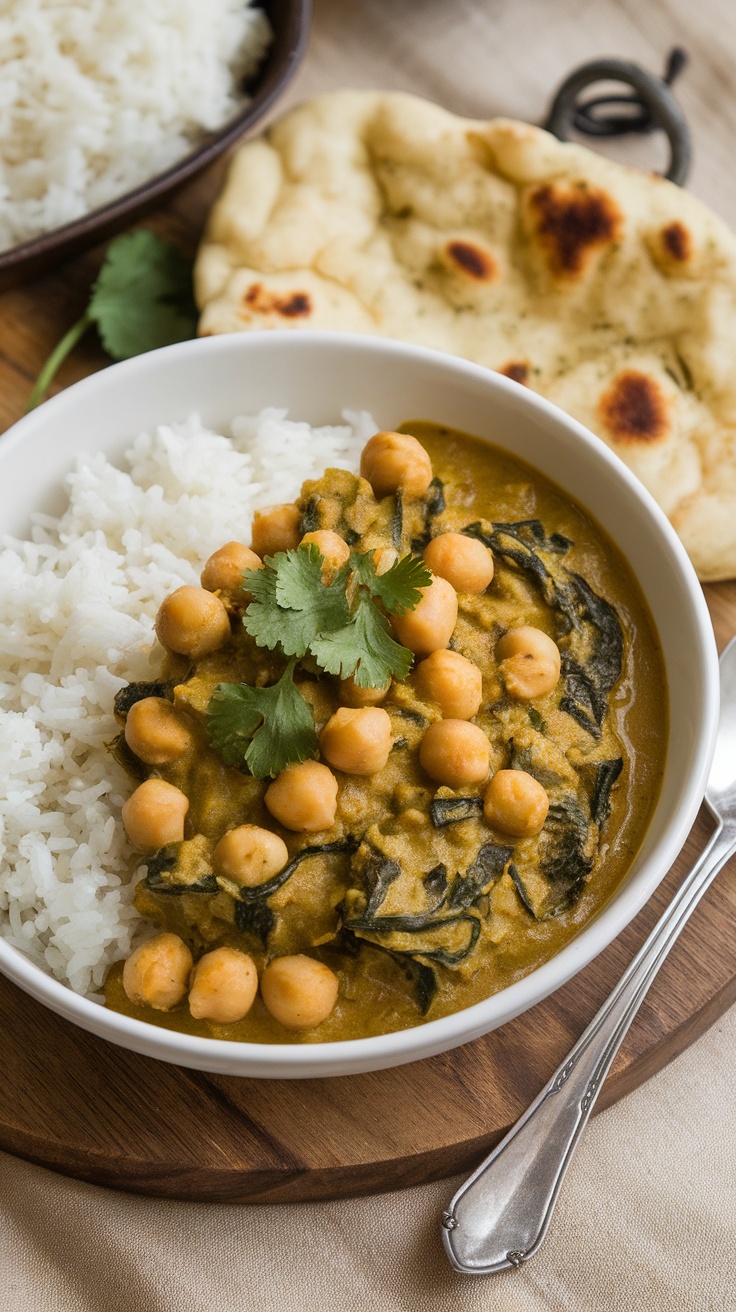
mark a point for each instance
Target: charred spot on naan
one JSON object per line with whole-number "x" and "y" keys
{"x": 517, "y": 370}
{"x": 471, "y": 259}
{"x": 673, "y": 248}
{"x": 570, "y": 222}
{"x": 634, "y": 408}
{"x": 677, "y": 242}
{"x": 292, "y": 305}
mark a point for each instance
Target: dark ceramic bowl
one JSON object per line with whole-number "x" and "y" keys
{"x": 290, "y": 22}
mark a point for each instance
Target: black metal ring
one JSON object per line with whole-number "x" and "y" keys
{"x": 651, "y": 91}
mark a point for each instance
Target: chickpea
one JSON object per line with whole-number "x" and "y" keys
{"x": 299, "y": 992}
{"x": 223, "y": 986}
{"x": 357, "y": 741}
{"x": 515, "y": 803}
{"x": 529, "y": 662}
{"x": 224, "y": 570}
{"x": 192, "y": 622}
{"x": 156, "y": 731}
{"x": 276, "y": 529}
{"x": 250, "y": 855}
{"x": 303, "y": 797}
{"x": 157, "y": 973}
{"x": 352, "y": 694}
{"x": 465, "y": 562}
{"x": 453, "y": 682}
{"x": 394, "y": 460}
{"x": 335, "y": 551}
{"x": 429, "y": 626}
{"x": 454, "y": 752}
{"x": 154, "y": 815}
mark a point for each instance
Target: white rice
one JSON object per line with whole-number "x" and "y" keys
{"x": 77, "y": 605}
{"x": 99, "y": 95}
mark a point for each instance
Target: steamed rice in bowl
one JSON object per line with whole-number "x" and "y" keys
{"x": 101, "y": 96}
{"x": 77, "y": 605}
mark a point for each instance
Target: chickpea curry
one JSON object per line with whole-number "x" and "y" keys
{"x": 400, "y": 750}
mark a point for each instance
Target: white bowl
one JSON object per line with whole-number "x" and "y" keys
{"x": 317, "y": 375}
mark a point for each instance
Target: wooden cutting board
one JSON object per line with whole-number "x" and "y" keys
{"x": 71, "y": 1102}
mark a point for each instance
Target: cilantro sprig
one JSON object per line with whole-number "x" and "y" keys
{"x": 363, "y": 648}
{"x": 142, "y": 299}
{"x": 265, "y": 728}
{"x": 291, "y": 604}
{"x": 341, "y": 627}
{"x": 341, "y": 624}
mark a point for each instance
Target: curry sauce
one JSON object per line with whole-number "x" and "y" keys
{"x": 412, "y": 898}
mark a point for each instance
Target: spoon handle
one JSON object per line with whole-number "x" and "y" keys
{"x": 499, "y": 1217}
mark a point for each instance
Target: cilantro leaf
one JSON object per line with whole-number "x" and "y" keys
{"x": 291, "y": 604}
{"x": 264, "y": 728}
{"x": 363, "y": 648}
{"x": 294, "y": 610}
{"x": 399, "y": 587}
{"x": 142, "y": 299}
{"x": 143, "y": 295}
{"x": 298, "y": 576}
{"x": 265, "y": 621}
{"x": 300, "y": 586}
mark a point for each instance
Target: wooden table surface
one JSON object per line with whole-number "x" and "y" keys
{"x": 476, "y": 58}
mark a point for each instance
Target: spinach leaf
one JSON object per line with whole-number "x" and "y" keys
{"x": 163, "y": 863}
{"x": 132, "y": 764}
{"x": 527, "y": 759}
{"x": 397, "y": 521}
{"x": 604, "y": 664}
{"x": 520, "y": 545}
{"x": 562, "y": 851}
{"x": 310, "y": 517}
{"x": 488, "y": 866}
{"x": 593, "y": 655}
{"x": 607, "y": 772}
{"x": 377, "y": 874}
{"x": 541, "y": 899}
{"x": 263, "y": 891}
{"x": 136, "y": 692}
{"x": 417, "y": 972}
{"x": 581, "y": 698}
{"x": 449, "y": 810}
{"x": 535, "y": 719}
{"x": 425, "y": 983}
{"x": 255, "y": 918}
{"x": 366, "y": 925}
{"x": 415, "y": 717}
{"x": 555, "y": 877}
{"x": 435, "y": 882}
{"x": 435, "y": 504}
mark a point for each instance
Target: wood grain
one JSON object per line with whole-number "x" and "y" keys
{"x": 86, "y": 1108}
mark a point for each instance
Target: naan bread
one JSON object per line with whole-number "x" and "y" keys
{"x": 609, "y": 291}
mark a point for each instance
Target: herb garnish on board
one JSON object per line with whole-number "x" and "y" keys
{"x": 340, "y": 624}
{"x": 142, "y": 298}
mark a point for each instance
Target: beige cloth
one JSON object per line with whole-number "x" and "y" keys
{"x": 647, "y": 1218}
{"x": 646, "y": 1223}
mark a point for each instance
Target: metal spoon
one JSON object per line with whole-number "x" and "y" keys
{"x": 499, "y": 1217}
